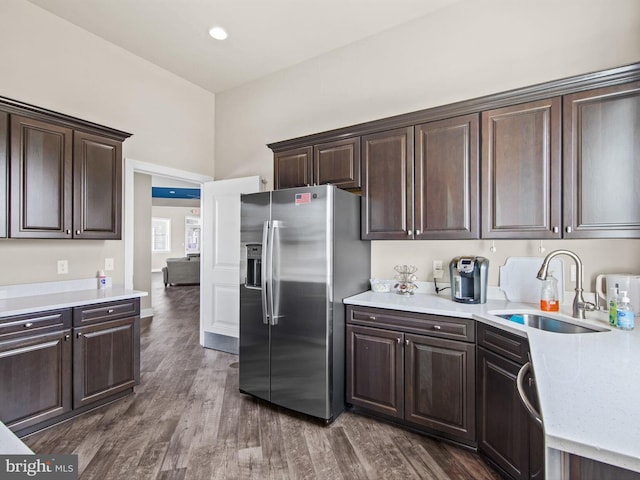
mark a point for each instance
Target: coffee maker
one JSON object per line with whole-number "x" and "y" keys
{"x": 469, "y": 279}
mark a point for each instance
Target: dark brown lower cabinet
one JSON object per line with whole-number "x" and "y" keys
{"x": 56, "y": 364}
{"x": 103, "y": 360}
{"x": 379, "y": 351}
{"x": 420, "y": 380}
{"x": 581, "y": 468}
{"x": 440, "y": 384}
{"x": 35, "y": 378}
{"x": 503, "y": 434}
{"x": 507, "y": 436}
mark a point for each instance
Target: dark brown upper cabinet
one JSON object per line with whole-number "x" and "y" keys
{"x": 447, "y": 179}
{"x": 521, "y": 165}
{"x": 97, "y": 192}
{"x": 387, "y": 185}
{"x": 4, "y": 172}
{"x": 64, "y": 183}
{"x": 337, "y": 163}
{"x": 41, "y": 179}
{"x": 602, "y": 163}
{"x": 293, "y": 168}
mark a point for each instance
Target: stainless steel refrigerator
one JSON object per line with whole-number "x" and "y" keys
{"x": 302, "y": 255}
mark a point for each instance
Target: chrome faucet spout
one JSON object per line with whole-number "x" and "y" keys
{"x": 579, "y": 304}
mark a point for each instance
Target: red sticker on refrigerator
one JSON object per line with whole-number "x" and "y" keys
{"x": 303, "y": 198}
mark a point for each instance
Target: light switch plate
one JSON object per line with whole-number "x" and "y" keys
{"x": 108, "y": 264}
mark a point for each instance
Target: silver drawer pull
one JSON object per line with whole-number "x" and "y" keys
{"x": 437, "y": 327}
{"x": 28, "y": 325}
{"x": 111, "y": 310}
{"x": 372, "y": 317}
{"x": 67, "y": 337}
{"x": 78, "y": 335}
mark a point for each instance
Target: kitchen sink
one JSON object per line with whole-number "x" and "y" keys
{"x": 548, "y": 324}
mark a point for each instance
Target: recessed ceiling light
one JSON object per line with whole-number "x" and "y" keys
{"x": 218, "y": 33}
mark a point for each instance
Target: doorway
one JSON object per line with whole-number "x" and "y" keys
{"x": 133, "y": 167}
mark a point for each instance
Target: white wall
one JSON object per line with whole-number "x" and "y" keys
{"x": 473, "y": 48}
{"x": 49, "y": 62}
{"x": 141, "y": 238}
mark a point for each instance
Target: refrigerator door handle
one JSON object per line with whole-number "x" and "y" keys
{"x": 274, "y": 291}
{"x": 265, "y": 282}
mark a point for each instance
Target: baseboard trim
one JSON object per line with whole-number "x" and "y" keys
{"x": 223, "y": 343}
{"x": 146, "y": 312}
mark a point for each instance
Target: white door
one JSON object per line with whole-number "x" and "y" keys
{"x": 220, "y": 261}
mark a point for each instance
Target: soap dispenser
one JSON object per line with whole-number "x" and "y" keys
{"x": 549, "y": 294}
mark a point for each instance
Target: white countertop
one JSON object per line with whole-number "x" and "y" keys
{"x": 53, "y": 301}
{"x": 588, "y": 384}
{"x": 10, "y": 444}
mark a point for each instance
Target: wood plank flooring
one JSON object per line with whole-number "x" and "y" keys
{"x": 187, "y": 420}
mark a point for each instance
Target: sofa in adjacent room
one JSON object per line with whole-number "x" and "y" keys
{"x": 184, "y": 270}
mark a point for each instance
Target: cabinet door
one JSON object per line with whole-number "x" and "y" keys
{"x": 103, "y": 360}
{"x": 446, "y": 181}
{"x": 41, "y": 180}
{"x": 440, "y": 385}
{"x": 602, "y": 163}
{"x": 387, "y": 185}
{"x": 503, "y": 433}
{"x": 521, "y": 183}
{"x": 35, "y": 374}
{"x": 293, "y": 168}
{"x": 97, "y": 187}
{"x": 337, "y": 163}
{"x": 374, "y": 370}
{"x": 4, "y": 172}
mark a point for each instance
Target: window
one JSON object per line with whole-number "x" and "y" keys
{"x": 160, "y": 235}
{"x": 192, "y": 235}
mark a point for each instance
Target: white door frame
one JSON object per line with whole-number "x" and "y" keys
{"x": 131, "y": 167}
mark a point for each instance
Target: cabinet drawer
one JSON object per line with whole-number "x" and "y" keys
{"x": 508, "y": 345}
{"x": 34, "y": 323}
{"x": 422, "y": 323}
{"x": 101, "y": 312}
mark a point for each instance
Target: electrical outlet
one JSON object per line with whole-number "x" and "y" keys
{"x": 573, "y": 273}
{"x": 63, "y": 267}
{"x": 108, "y": 264}
{"x": 437, "y": 265}
{"x": 438, "y": 274}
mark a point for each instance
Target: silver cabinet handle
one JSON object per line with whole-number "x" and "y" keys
{"x": 556, "y": 229}
{"x": 409, "y": 232}
{"x": 111, "y": 310}
{"x": 406, "y": 341}
{"x": 28, "y": 325}
{"x": 399, "y": 339}
{"x": 523, "y": 395}
{"x": 77, "y": 232}
{"x": 437, "y": 327}
{"x": 417, "y": 232}
{"x": 372, "y": 317}
{"x": 68, "y": 232}
{"x": 569, "y": 229}
{"x": 67, "y": 337}
{"x": 78, "y": 335}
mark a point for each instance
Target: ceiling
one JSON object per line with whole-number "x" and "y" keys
{"x": 264, "y": 35}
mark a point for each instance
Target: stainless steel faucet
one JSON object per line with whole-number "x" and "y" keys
{"x": 579, "y": 303}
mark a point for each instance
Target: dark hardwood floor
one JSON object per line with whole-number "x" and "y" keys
{"x": 187, "y": 420}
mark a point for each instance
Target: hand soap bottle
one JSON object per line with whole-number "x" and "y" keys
{"x": 625, "y": 313}
{"x": 549, "y": 294}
